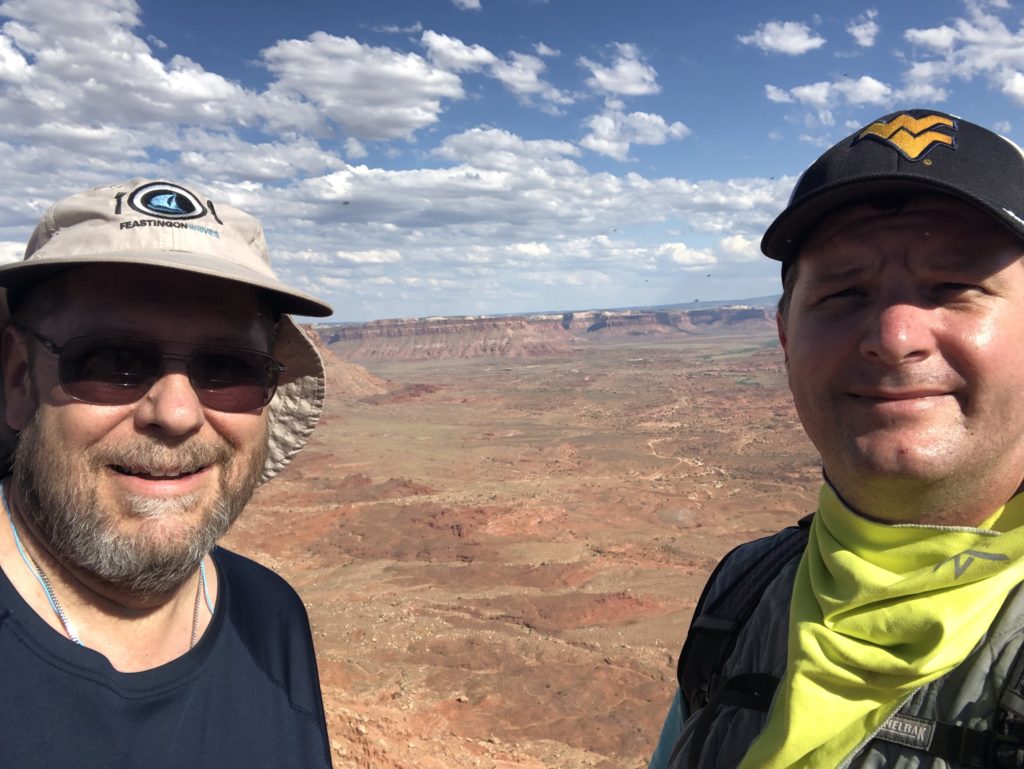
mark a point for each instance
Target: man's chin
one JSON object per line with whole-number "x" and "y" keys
{"x": 144, "y": 507}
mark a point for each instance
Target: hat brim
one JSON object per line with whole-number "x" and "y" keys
{"x": 299, "y": 400}
{"x": 18, "y": 276}
{"x": 784, "y": 237}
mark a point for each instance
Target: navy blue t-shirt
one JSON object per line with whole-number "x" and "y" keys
{"x": 247, "y": 696}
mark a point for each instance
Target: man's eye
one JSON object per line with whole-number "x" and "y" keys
{"x": 850, "y": 292}
{"x": 953, "y": 289}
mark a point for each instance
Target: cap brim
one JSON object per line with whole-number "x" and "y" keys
{"x": 783, "y": 238}
{"x": 19, "y": 275}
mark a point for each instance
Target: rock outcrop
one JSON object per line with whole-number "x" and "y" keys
{"x": 344, "y": 378}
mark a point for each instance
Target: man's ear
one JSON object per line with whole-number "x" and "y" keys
{"x": 19, "y": 395}
{"x": 780, "y": 327}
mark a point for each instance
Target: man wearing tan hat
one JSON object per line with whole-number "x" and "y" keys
{"x": 151, "y": 380}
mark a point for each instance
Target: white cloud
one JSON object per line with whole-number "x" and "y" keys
{"x": 938, "y": 38}
{"x": 467, "y": 5}
{"x": 924, "y": 81}
{"x": 483, "y": 216}
{"x": 99, "y": 42}
{"x": 373, "y": 92}
{"x": 520, "y": 74}
{"x": 497, "y": 149}
{"x": 864, "y": 29}
{"x": 224, "y": 156}
{"x": 818, "y": 95}
{"x": 792, "y": 38}
{"x": 546, "y": 50}
{"x": 613, "y": 132}
{"x": 1012, "y": 84}
{"x": 354, "y": 148}
{"x": 978, "y": 45}
{"x": 393, "y": 29}
{"x": 684, "y": 255}
{"x": 825, "y": 96}
{"x": 777, "y": 95}
{"x": 11, "y": 251}
{"x": 977, "y": 49}
{"x": 13, "y": 66}
{"x": 864, "y": 90}
{"x": 628, "y": 75}
{"x": 454, "y": 55}
{"x": 531, "y": 249}
{"x": 372, "y": 256}
{"x": 741, "y": 249}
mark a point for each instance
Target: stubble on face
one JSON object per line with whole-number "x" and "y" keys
{"x": 57, "y": 494}
{"x": 903, "y": 355}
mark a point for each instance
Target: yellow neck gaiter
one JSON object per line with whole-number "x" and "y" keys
{"x": 878, "y": 611}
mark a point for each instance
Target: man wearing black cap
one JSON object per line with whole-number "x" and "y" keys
{"x": 151, "y": 380}
{"x": 886, "y": 631}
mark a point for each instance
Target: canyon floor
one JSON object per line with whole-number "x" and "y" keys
{"x": 500, "y": 558}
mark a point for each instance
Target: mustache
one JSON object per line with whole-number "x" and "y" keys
{"x": 147, "y": 454}
{"x": 903, "y": 379}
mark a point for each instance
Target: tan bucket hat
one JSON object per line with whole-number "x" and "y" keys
{"x": 170, "y": 226}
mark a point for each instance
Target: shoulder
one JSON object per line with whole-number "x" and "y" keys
{"x": 253, "y": 585}
{"x": 261, "y": 605}
{"x": 270, "y": 621}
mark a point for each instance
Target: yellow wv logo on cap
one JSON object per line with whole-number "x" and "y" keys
{"x": 912, "y": 137}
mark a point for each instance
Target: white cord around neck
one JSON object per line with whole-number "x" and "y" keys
{"x": 36, "y": 570}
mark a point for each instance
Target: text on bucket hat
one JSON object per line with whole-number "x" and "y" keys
{"x": 168, "y": 226}
{"x": 905, "y": 152}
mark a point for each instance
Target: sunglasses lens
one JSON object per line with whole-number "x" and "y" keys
{"x": 227, "y": 379}
{"x": 108, "y": 371}
{"x": 114, "y": 371}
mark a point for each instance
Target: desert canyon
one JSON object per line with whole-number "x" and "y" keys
{"x": 502, "y": 526}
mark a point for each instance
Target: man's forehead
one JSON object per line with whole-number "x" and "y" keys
{"x": 122, "y": 284}
{"x": 863, "y": 216}
{"x": 109, "y": 298}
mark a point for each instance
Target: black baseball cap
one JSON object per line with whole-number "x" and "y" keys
{"x": 905, "y": 152}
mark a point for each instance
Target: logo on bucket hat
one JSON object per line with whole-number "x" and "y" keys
{"x": 166, "y": 201}
{"x": 913, "y": 137}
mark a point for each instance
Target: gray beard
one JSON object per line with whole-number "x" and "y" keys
{"x": 58, "y": 497}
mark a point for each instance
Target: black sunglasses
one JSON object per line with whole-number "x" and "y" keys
{"x": 117, "y": 370}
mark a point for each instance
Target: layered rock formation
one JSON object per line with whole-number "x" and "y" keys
{"x": 521, "y": 336}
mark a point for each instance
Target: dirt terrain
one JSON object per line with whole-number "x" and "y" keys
{"x": 500, "y": 557}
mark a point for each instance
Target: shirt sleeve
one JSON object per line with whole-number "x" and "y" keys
{"x": 670, "y": 731}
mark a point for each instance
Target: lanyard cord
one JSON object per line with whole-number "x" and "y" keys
{"x": 202, "y": 589}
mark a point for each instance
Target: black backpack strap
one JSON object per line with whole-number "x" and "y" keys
{"x": 717, "y": 623}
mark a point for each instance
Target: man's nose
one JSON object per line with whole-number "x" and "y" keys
{"x": 898, "y": 332}
{"x": 171, "y": 404}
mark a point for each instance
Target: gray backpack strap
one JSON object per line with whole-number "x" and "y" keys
{"x": 1001, "y": 747}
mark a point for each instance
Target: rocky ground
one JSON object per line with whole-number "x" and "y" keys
{"x": 500, "y": 557}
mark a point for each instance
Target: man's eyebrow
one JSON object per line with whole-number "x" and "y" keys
{"x": 829, "y": 276}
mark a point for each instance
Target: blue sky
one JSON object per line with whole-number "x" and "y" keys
{"x": 451, "y": 157}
